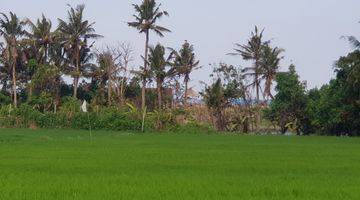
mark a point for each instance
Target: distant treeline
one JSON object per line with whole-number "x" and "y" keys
{"x": 36, "y": 58}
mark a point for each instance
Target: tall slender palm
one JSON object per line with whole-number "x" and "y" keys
{"x": 38, "y": 40}
{"x": 12, "y": 28}
{"x": 60, "y": 61}
{"x": 158, "y": 63}
{"x": 270, "y": 64}
{"x": 74, "y": 35}
{"x": 107, "y": 70}
{"x": 146, "y": 17}
{"x": 252, "y": 51}
{"x": 41, "y": 37}
{"x": 185, "y": 63}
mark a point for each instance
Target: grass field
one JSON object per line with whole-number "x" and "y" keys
{"x": 58, "y": 164}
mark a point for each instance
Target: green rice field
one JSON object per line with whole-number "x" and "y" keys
{"x": 65, "y": 164}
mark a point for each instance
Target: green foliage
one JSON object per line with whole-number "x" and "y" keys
{"x": 335, "y": 108}
{"x": 288, "y": 109}
{"x": 228, "y": 86}
{"x": 4, "y": 99}
{"x": 43, "y": 102}
{"x": 98, "y": 118}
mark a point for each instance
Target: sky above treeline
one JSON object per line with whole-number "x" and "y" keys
{"x": 309, "y": 30}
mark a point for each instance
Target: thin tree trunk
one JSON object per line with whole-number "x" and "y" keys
{"x": 257, "y": 86}
{"x": 122, "y": 92}
{"x": 30, "y": 91}
{"x": 186, "y": 93}
{"x": 143, "y": 90}
{"x": 14, "y": 84}
{"x": 122, "y": 84}
{"x": 109, "y": 92}
{"x": 159, "y": 91}
{"x": 77, "y": 76}
{"x": 75, "y": 89}
{"x": 57, "y": 92}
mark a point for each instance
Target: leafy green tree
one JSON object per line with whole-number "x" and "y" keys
{"x": 228, "y": 86}
{"x": 74, "y": 34}
{"x": 185, "y": 63}
{"x": 335, "y": 108}
{"x": 288, "y": 108}
{"x": 216, "y": 101}
{"x": 12, "y": 29}
{"x": 146, "y": 17}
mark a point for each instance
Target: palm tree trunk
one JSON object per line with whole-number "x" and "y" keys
{"x": 159, "y": 91}
{"x": 186, "y": 93}
{"x": 143, "y": 89}
{"x": 76, "y": 77}
{"x": 257, "y": 85}
{"x": 14, "y": 84}
{"x": 30, "y": 91}
{"x": 109, "y": 92}
{"x": 121, "y": 92}
{"x": 75, "y": 89}
{"x": 57, "y": 91}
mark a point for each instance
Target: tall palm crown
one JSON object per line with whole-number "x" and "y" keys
{"x": 105, "y": 72}
{"x": 74, "y": 35}
{"x": 76, "y": 30}
{"x": 270, "y": 62}
{"x": 41, "y": 36}
{"x": 147, "y": 14}
{"x": 185, "y": 63}
{"x": 158, "y": 62}
{"x": 11, "y": 28}
{"x": 146, "y": 17}
{"x": 252, "y": 51}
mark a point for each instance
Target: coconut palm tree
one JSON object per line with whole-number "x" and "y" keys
{"x": 146, "y": 17}
{"x": 158, "y": 63}
{"x": 107, "y": 70}
{"x": 40, "y": 37}
{"x": 38, "y": 42}
{"x": 74, "y": 35}
{"x": 185, "y": 63}
{"x": 253, "y": 51}
{"x": 12, "y": 29}
{"x": 270, "y": 62}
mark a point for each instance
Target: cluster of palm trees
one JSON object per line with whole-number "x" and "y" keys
{"x": 181, "y": 63}
{"x": 266, "y": 62}
{"x": 35, "y": 57}
{"x": 38, "y": 55}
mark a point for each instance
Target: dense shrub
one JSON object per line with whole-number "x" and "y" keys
{"x": 98, "y": 118}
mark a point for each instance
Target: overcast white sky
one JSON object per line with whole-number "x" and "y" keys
{"x": 309, "y": 30}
